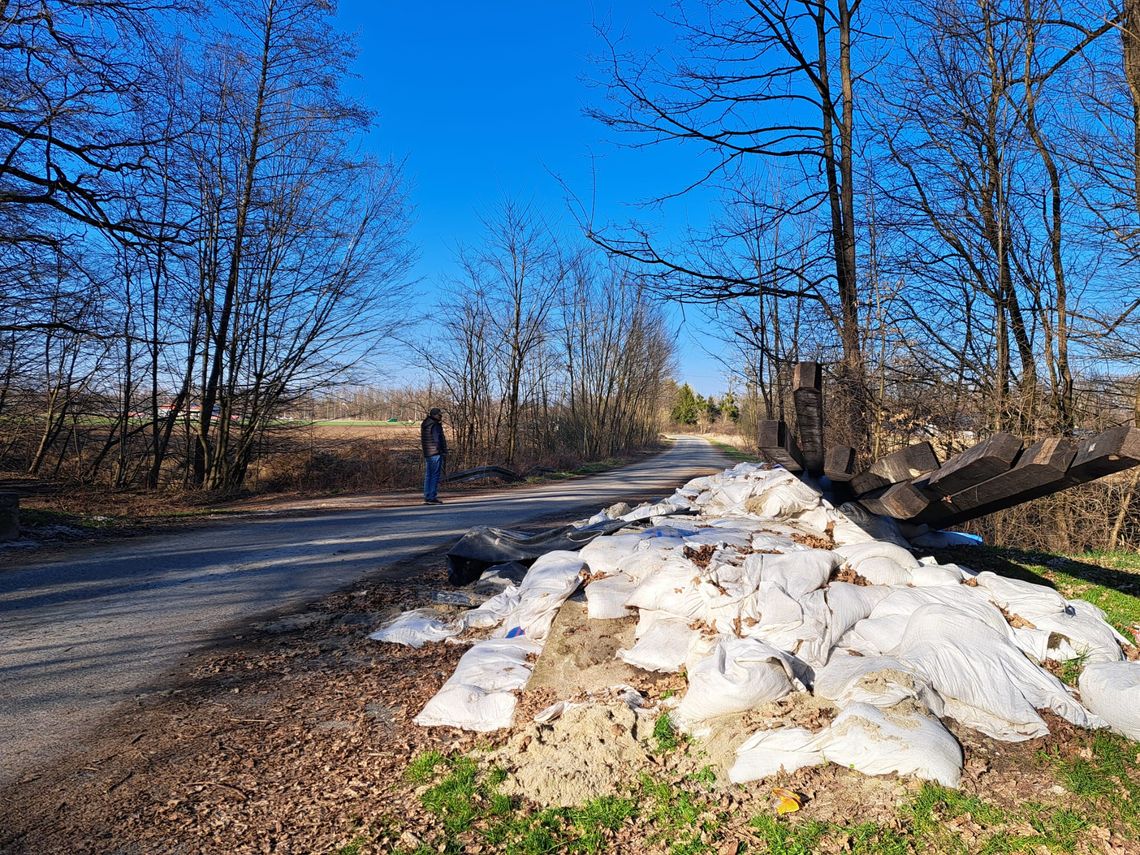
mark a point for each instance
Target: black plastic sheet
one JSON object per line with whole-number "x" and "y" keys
{"x": 487, "y": 546}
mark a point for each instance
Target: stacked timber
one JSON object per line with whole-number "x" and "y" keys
{"x": 913, "y": 486}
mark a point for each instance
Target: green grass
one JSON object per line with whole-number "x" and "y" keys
{"x": 1054, "y": 829}
{"x": 1071, "y": 669}
{"x": 683, "y": 817}
{"x": 666, "y": 735}
{"x": 1105, "y": 776}
{"x": 734, "y": 453}
{"x": 355, "y": 846}
{"x": 453, "y": 799}
{"x": 422, "y": 767}
{"x": 782, "y": 837}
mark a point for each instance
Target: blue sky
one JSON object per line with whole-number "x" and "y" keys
{"x": 484, "y": 103}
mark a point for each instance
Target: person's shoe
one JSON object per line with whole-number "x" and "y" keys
{"x": 432, "y": 502}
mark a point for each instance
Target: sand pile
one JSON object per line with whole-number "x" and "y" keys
{"x": 589, "y": 751}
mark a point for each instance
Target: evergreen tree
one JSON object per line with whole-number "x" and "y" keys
{"x": 688, "y": 406}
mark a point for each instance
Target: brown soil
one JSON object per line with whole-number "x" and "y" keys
{"x": 285, "y": 741}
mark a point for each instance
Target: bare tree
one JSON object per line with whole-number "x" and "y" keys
{"x": 762, "y": 83}
{"x": 301, "y": 246}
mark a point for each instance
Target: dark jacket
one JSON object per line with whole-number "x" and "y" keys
{"x": 432, "y": 440}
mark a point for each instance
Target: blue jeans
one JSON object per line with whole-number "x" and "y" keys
{"x": 433, "y": 466}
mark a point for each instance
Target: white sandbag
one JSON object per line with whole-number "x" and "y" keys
{"x": 879, "y": 563}
{"x": 856, "y": 552}
{"x": 783, "y": 497}
{"x": 929, "y": 575}
{"x": 729, "y": 496}
{"x": 550, "y": 580}
{"x": 493, "y": 611}
{"x": 479, "y": 694}
{"x": 815, "y": 521}
{"x": 1111, "y": 690}
{"x": 897, "y": 740}
{"x": 877, "y": 528}
{"x": 675, "y": 526}
{"x": 795, "y": 626}
{"x": 696, "y": 485}
{"x": 881, "y": 681}
{"x": 663, "y": 646}
{"x": 739, "y": 675}
{"x": 984, "y": 680}
{"x": 766, "y": 752}
{"x": 796, "y": 572}
{"x": 657, "y": 509}
{"x": 874, "y": 636}
{"x": 1080, "y": 626}
{"x": 416, "y": 628}
{"x": 880, "y": 570}
{"x": 643, "y": 563}
{"x": 602, "y": 554}
{"x": 605, "y": 598}
{"x": 843, "y": 531}
{"x": 663, "y": 535}
{"x": 720, "y": 536}
{"x": 768, "y": 541}
{"x": 671, "y": 589}
{"x": 850, "y": 604}
{"x": 961, "y": 598}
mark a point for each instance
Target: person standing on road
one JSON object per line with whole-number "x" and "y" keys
{"x": 434, "y": 446}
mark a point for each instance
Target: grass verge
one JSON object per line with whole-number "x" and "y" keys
{"x": 733, "y": 453}
{"x": 1101, "y": 784}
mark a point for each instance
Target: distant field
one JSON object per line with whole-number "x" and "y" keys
{"x": 353, "y": 429}
{"x": 360, "y": 423}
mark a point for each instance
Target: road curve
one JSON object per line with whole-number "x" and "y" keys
{"x": 83, "y": 633}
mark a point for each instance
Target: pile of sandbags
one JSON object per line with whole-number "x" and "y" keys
{"x": 764, "y": 589}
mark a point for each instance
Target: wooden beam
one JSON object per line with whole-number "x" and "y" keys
{"x": 910, "y": 462}
{"x": 807, "y": 392}
{"x": 839, "y": 463}
{"x": 1042, "y": 468}
{"x": 904, "y": 501}
{"x": 988, "y": 458}
{"x": 1111, "y": 451}
{"x": 1114, "y": 450}
{"x": 777, "y": 445}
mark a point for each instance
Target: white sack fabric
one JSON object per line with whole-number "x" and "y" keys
{"x": 741, "y": 674}
{"x": 768, "y": 751}
{"x": 416, "y": 628}
{"x": 550, "y": 580}
{"x": 898, "y": 739}
{"x": 480, "y": 694}
{"x": 1112, "y": 691}
{"x": 984, "y": 680}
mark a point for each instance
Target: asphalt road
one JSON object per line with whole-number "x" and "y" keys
{"x": 83, "y": 633}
